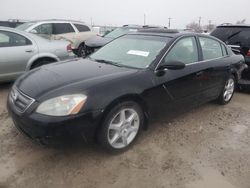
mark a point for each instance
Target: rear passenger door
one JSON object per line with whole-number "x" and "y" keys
{"x": 214, "y": 66}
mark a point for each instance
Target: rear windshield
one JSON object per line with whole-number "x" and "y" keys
{"x": 25, "y": 26}
{"x": 119, "y": 32}
{"x": 233, "y": 36}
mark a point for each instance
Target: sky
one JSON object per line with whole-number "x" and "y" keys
{"x": 120, "y": 12}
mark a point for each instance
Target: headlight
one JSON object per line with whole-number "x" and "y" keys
{"x": 63, "y": 105}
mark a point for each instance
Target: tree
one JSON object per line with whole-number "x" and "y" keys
{"x": 210, "y": 27}
{"x": 194, "y": 26}
{"x": 241, "y": 21}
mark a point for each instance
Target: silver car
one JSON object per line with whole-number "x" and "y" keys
{"x": 21, "y": 51}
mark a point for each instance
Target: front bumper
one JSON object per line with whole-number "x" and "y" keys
{"x": 48, "y": 130}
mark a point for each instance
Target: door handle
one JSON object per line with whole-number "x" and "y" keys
{"x": 198, "y": 74}
{"x": 29, "y": 50}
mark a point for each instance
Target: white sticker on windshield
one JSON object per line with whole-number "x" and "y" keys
{"x": 138, "y": 52}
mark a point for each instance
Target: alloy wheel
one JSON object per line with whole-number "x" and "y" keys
{"x": 229, "y": 89}
{"x": 123, "y": 128}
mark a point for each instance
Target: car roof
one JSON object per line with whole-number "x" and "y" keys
{"x": 58, "y": 20}
{"x": 143, "y": 26}
{"x": 234, "y": 25}
{"x": 171, "y": 33}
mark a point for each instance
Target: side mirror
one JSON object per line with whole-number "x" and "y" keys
{"x": 33, "y": 31}
{"x": 173, "y": 65}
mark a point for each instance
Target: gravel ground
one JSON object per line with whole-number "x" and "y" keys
{"x": 207, "y": 147}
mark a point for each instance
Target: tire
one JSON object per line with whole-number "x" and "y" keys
{"x": 228, "y": 91}
{"x": 81, "y": 51}
{"x": 121, "y": 126}
{"x": 41, "y": 63}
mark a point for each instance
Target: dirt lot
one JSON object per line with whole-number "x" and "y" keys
{"x": 207, "y": 147}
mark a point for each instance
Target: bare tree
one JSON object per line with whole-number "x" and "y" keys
{"x": 210, "y": 27}
{"x": 194, "y": 26}
{"x": 241, "y": 21}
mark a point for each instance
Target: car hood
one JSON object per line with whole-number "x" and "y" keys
{"x": 97, "y": 41}
{"x": 69, "y": 76}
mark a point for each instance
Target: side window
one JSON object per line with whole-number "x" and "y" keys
{"x": 9, "y": 39}
{"x": 45, "y": 29}
{"x": 211, "y": 48}
{"x": 82, "y": 28}
{"x": 184, "y": 51}
{"x": 62, "y": 28}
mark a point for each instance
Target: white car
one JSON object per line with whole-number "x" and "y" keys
{"x": 73, "y": 31}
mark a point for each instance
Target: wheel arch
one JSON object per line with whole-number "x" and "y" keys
{"x": 235, "y": 74}
{"x": 129, "y": 97}
{"x": 35, "y": 59}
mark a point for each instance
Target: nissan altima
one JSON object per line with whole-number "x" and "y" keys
{"x": 109, "y": 96}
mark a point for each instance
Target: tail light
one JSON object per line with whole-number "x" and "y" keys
{"x": 248, "y": 53}
{"x": 69, "y": 49}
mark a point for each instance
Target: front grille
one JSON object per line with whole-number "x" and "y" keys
{"x": 20, "y": 101}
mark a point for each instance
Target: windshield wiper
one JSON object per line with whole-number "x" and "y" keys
{"x": 107, "y": 62}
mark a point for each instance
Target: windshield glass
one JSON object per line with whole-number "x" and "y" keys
{"x": 119, "y": 32}
{"x": 131, "y": 50}
{"x": 25, "y": 26}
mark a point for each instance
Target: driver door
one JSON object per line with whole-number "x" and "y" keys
{"x": 181, "y": 88}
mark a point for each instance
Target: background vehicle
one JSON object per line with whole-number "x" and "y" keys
{"x": 74, "y": 31}
{"x": 11, "y": 23}
{"x": 21, "y": 51}
{"x": 109, "y": 95}
{"x": 238, "y": 37}
{"x": 97, "y": 42}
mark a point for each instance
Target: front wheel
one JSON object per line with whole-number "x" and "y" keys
{"x": 228, "y": 91}
{"x": 121, "y": 126}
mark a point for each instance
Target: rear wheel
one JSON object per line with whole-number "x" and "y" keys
{"x": 42, "y": 62}
{"x": 81, "y": 51}
{"x": 228, "y": 91}
{"x": 121, "y": 126}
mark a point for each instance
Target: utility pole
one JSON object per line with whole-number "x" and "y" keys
{"x": 91, "y": 21}
{"x": 169, "y": 22}
{"x": 200, "y": 22}
{"x": 144, "y": 19}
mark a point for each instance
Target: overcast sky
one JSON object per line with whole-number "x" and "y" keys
{"x": 117, "y": 12}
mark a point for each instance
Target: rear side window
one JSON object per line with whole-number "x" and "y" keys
{"x": 45, "y": 29}
{"x": 62, "y": 28}
{"x": 211, "y": 48}
{"x": 82, "y": 28}
{"x": 9, "y": 39}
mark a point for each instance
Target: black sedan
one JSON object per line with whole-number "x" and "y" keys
{"x": 110, "y": 95}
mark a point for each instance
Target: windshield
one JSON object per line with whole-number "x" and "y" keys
{"x": 131, "y": 50}
{"x": 119, "y": 32}
{"x": 25, "y": 26}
